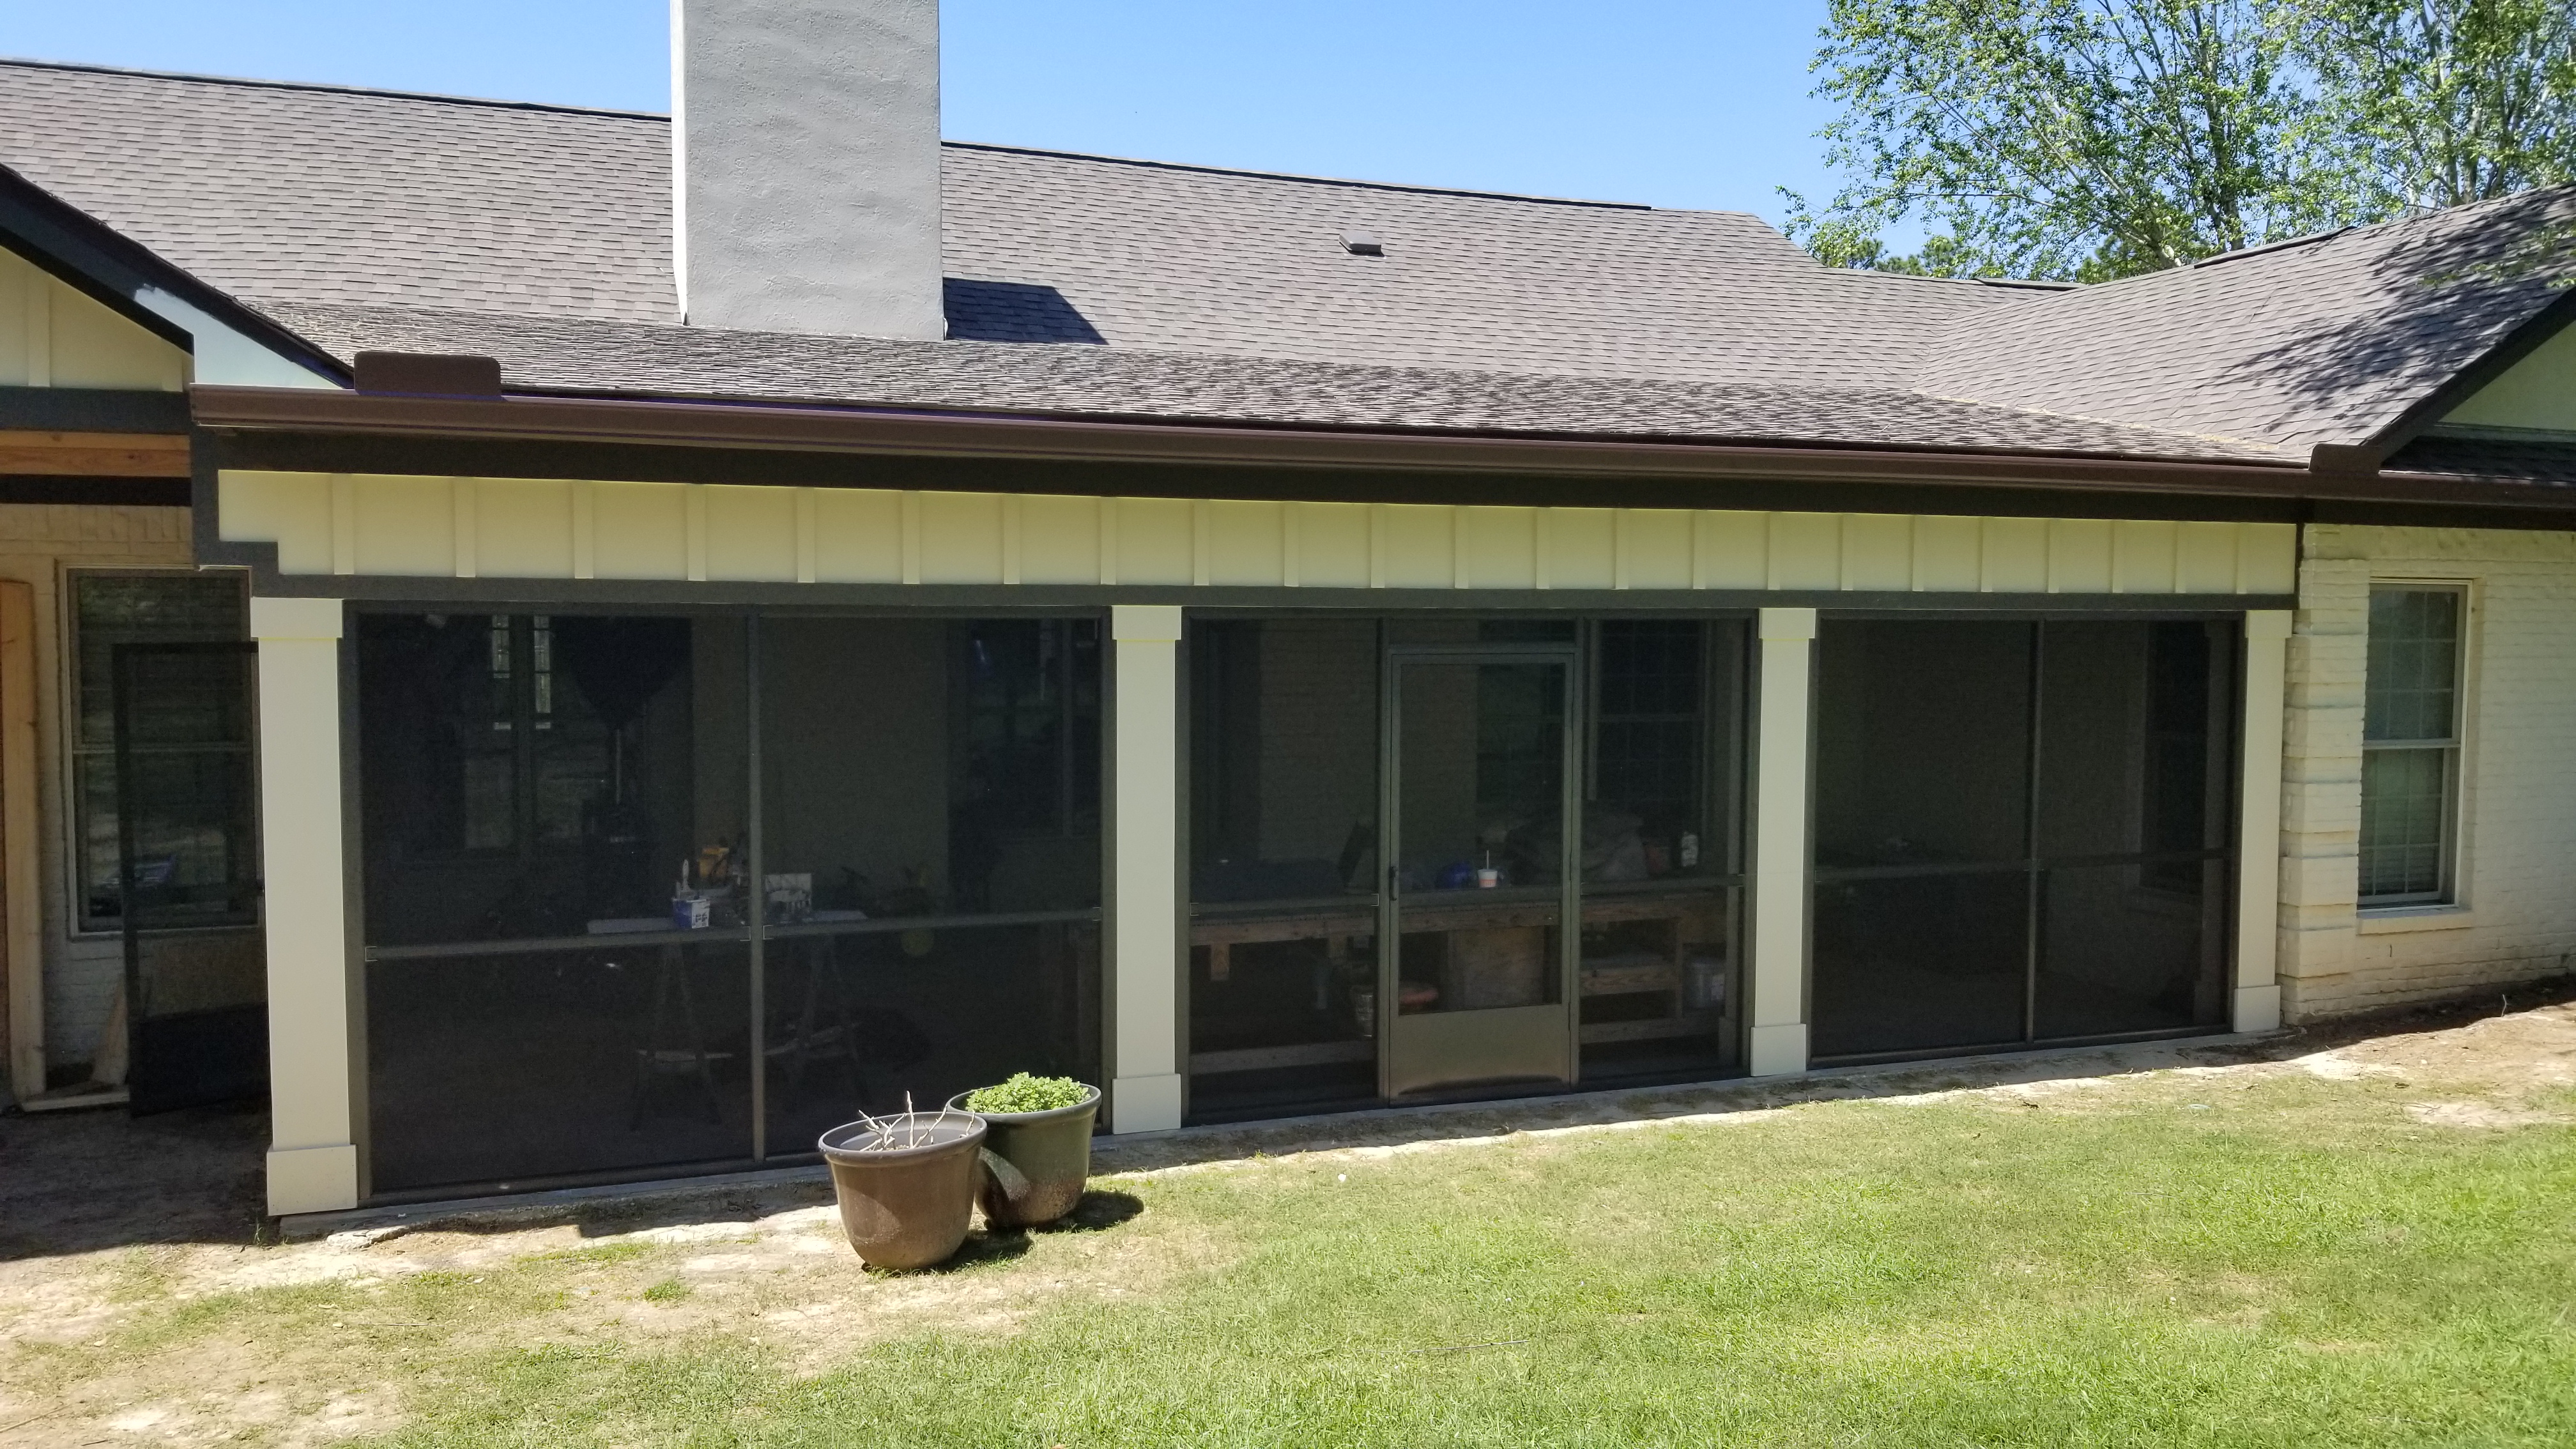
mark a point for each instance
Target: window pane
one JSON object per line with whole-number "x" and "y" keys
{"x": 856, "y": 1021}
{"x": 1283, "y": 759}
{"x": 2135, "y": 718}
{"x": 1283, "y": 865}
{"x": 2404, "y": 812}
{"x": 925, "y": 767}
{"x": 200, "y": 707}
{"x": 485, "y": 1069}
{"x": 1657, "y": 980}
{"x": 1922, "y": 742}
{"x": 531, "y": 776}
{"x": 1919, "y": 963}
{"x": 112, "y": 609}
{"x": 2121, "y": 950}
{"x": 2413, "y": 664}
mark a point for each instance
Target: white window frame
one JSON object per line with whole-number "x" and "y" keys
{"x": 2448, "y": 897}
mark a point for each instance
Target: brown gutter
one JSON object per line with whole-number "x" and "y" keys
{"x": 986, "y": 435}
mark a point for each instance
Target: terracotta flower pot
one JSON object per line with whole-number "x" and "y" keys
{"x": 906, "y": 1206}
{"x": 1035, "y": 1163}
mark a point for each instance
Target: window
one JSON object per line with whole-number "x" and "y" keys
{"x": 2410, "y": 760}
{"x": 197, "y": 764}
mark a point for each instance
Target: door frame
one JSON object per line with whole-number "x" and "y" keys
{"x": 1570, "y": 734}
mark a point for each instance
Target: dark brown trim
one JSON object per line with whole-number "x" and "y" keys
{"x": 881, "y": 435}
{"x": 996, "y": 435}
{"x": 651, "y": 463}
{"x": 377, "y": 591}
{"x": 113, "y": 492}
{"x": 93, "y": 410}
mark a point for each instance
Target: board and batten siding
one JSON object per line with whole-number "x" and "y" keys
{"x": 54, "y": 335}
{"x": 449, "y": 528}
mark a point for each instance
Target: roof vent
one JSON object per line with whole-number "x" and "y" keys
{"x": 1363, "y": 244}
{"x": 438, "y": 374}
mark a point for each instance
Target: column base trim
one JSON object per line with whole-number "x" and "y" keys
{"x": 1777, "y": 1051}
{"x": 2258, "y": 1008}
{"x": 1145, "y": 1104}
{"x": 312, "y": 1179}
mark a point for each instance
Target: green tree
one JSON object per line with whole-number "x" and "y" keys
{"x": 2090, "y": 139}
{"x": 2064, "y": 138}
{"x": 2430, "y": 103}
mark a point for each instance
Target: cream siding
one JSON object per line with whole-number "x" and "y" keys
{"x": 2539, "y": 392}
{"x": 543, "y": 529}
{"x": 54, "y": 335}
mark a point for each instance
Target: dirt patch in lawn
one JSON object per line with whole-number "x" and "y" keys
{"x": 143, "y": 1310}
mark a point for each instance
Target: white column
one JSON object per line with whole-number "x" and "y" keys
{"x": 312, "y": 1158}
{"x": 1777, "y": 978}
{"x": 1145, "y": 944}
{"x": 2258, "y": 834}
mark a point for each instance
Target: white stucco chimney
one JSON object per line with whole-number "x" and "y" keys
{"x": 805, "y": 165}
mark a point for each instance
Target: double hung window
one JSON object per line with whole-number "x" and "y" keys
{"x": 2410, "y": 761}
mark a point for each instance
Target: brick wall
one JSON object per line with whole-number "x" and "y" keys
{"x": 38, "y": 542}
{"x": 2516, "y": 915}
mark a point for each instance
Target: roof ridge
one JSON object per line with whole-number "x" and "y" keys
{"x": 1311, "y": 180}
{"x": 326, "y": 87}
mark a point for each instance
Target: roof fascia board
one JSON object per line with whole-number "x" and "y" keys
{"x": 2428, "y": 411}
{"x": 1055, "y": 439}
{"x": 229, "y": 343}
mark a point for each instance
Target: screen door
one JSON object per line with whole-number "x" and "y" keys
{"x": 188, "y": 874}
{"x": 1475, "y": 956}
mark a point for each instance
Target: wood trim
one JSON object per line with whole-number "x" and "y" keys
{"x": 22, "y": 935}
{"x": 93, "y": 455}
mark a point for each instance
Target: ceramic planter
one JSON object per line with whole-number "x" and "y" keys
{"x": 906, "y": 1206}
{"x": 1035, "y": 1163}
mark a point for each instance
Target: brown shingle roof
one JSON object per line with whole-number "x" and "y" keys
{"x": 2326, "y": 341}
{"x": 302, "y": 193}
{"x": 307, "y": 199}
{"x": 629, "y": 359}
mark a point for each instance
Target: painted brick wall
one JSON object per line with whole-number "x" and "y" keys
{"x": 2516, "y": 916}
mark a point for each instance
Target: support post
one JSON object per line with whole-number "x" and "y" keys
{"x": 2257, "y": 1004}
{"x": 1144, "y": 916}
{"x": 1778, "y": 887}
{"x": 313, "y": 1156}
{"x": 21, "y": 891}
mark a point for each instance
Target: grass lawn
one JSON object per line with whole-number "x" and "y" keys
{"x": 2265, "y": 1259}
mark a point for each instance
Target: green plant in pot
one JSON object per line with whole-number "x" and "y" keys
{"x": 1037, "y": 1146}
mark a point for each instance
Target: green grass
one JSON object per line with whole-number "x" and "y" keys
{"x": 2295, "y": 1263}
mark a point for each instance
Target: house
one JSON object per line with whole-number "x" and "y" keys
{"x": 577, "y": 645}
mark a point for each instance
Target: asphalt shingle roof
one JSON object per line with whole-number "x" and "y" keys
{"x": 334, "y": 208}
{"x": 300, "y": 193}
{"x": 2322, "y": 342}
{"x": 589, "y": 355}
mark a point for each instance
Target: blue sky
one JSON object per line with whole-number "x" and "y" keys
{"x": 1662, "y": 101}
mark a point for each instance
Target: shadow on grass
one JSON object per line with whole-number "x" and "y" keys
{"x": 1097, "y": 1212}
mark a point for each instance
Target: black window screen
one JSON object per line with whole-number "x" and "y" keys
{"x": 2022, "y": 831}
